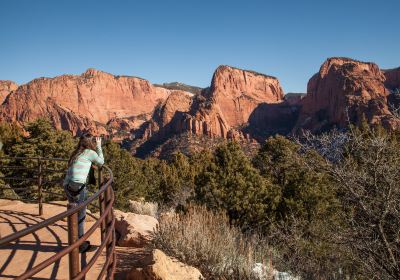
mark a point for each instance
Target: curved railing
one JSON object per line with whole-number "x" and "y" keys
{"x": 105, "y": 222}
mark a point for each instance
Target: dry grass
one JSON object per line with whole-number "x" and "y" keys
{"x": 205, "y": 240}
{"x": 144, "y": 208}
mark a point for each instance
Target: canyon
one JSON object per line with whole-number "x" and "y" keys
{"x": 241, "y": 105}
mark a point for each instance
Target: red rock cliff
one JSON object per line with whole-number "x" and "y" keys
{"x": 234, "y": 94}
{"x": 5, "y": 88}
{"x": 345, "y": 89}
{"x": 392, "y": 76}
{"x": 166, "y": 116}
{"x": 93, "y": 96}
{"x": 238, "y": 92}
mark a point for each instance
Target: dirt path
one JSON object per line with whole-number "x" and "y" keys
{"x": 18, "y": 257}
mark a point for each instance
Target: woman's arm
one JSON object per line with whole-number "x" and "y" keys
{"x": 97, "y": 157}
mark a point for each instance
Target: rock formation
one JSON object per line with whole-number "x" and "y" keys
{"x": 220, "y": 111}
{"x": 6, "y": 87}
{"x": 393, "y": 84}
{"x": 180, "y": 86}
{"x": 239, "y": 104}
{"x": 162, "y": 267}
{"x": 177, "y": 103}
{"x": 392, "y": 81}
{"x": 94, "y": 96}
{"x": 270, "y": 119}
{"x": 345, "y": 90}
{"x": 226, "y": 106}
{"x": 134, "y": 230}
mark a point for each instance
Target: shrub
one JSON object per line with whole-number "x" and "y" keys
{"x": 366, "y": 174}
{"x": 144, "y": 208}
{"x": 229, "y": 181}
{"x": 307, "y": 210}
{"x": 40, "y": 140}
{"x": 205, "y": 239}
{"x": 129, "y": 181}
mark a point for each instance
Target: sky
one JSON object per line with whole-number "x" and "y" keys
{"x": 186, "y": 40}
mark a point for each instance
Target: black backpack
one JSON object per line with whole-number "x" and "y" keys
{"x": 91, "y": 176}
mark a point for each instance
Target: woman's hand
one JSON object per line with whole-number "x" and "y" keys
{"x": 98, "y": 141}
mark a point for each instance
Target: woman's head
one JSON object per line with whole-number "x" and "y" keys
{"x": 86, "y": 141}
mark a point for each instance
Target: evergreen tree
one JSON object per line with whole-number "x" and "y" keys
{"x": 230, "y": 182}
{"x": 303, "y": 191}
{"x": 40, "y": 140}
{"x": 129, "y": 181}
{"x": 9, "y": 135}
{"x": 306, "y": 216}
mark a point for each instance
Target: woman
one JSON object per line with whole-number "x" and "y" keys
{"x": 74, "y": 184}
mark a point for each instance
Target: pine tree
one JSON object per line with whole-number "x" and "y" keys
{"x": 230, "y": 182}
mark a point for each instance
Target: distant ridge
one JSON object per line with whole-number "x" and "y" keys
{"x": 180, "y": 86}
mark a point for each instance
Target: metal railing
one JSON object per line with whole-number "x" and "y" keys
{"x": 105, "y": 222}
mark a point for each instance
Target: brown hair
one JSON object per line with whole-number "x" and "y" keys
{"x": 85, "y": 142}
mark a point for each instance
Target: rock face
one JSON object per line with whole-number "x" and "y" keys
{"x": 227, "y": 105}
{"x": 270, "y": 119}
{"x": 177, "y": 103}
{"x": 5, "y": 88}
{"x": 392, "y": 81}
{"x": 345, "y": 90}
{"x": 134, "y": 230}
{"x": 162, "y": 267}
{"x": 220, "y": 111}
{"x": 165, "y": 119}
{"x": 238, "y": 92}
{"x": 239, "y": 104}
{"x": 180, "y": 86}
{"x": 94, "y": 96}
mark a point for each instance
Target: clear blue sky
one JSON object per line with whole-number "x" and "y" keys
{"x": 185, "y": 41}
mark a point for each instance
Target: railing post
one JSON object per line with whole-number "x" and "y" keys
{"x": 109, "y": 217}
{"x": 72, "y": 238}
{"x": 101, "y": 202}
{"x": 40, "y": 179}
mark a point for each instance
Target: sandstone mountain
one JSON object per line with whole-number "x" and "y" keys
{"x": 220, "y": 111}
{"x": 80, "y": 102}
{"x": 392, "y": 81}
{"x": 6, "y": 87}
{"x": 227, "y": 105}
{"x": 180, "y": 86}
{"x": 343, "y": 91}
{"x": 245, "y": 105}
{"x": 239, "y": 104}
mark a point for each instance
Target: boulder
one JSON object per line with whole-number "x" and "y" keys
{"x": 134, "y": 230}
{"x": 163, "y": 267}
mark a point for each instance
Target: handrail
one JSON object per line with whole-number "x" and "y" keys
{"x": 63, "y": 252}
{"x": 56, "y": 218}
{"x": 105, "y": 196}
{"x": 35, "y": 158}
